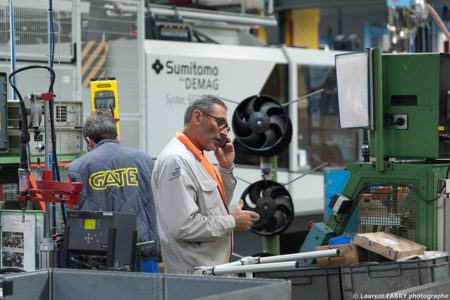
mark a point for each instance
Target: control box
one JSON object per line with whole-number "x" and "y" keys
{"x": 104, "y": 97}
{"x": 101, "y": 240}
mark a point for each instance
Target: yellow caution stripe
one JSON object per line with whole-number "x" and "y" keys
{"x": 93, "y": 60}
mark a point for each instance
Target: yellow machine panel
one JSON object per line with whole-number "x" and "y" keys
{"x": 104, "y": 97}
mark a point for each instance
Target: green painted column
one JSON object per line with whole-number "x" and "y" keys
{"x": 269, "y": 167}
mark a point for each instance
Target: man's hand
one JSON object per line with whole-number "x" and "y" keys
{"x": 244, "y": 218}
{"x": 225, "y": 155}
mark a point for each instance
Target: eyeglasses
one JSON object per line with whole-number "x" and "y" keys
{"x": 221, "y": 122}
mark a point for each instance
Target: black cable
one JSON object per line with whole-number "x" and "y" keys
{"x": 52, "y": 117}
{"x": 52, "y": 78}
{"x": 82, "y": 263}
{"x": 416, "y": 190}
{"x": 11, "y": 270}
{"x": 54, "y": 162}
{"x": 426, "y": 200}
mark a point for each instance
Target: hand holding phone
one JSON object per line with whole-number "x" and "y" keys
{"x": 223, "y": 141}
{"x": 225, "y": 152}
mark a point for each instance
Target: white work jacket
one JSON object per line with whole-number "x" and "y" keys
{"x": 194, "y": 226}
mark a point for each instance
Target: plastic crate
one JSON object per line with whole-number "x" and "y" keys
{"x": 311, "y": 283}
{"x": 72, "y": 284}
{"x": 390, "y": 277}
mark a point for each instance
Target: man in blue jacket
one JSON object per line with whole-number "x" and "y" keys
{"x": 117, "y": 178}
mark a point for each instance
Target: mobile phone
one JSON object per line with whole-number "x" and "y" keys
{"x": 223, "y": 141}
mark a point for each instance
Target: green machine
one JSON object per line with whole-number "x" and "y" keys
{"x": 405, "y": 199}
{"x": 402, "y": 188}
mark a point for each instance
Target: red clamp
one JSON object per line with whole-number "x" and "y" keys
{"x": 47, "y": 96}
{"x": 310, "y": 224}
{"x": 54, "y": 191}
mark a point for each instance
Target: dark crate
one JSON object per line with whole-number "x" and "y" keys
{"x": 379, "y": 278}
{"x": 311, "y": 283}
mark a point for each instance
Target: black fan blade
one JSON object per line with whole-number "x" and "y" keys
{"x": 249, "y": 108}
{"x": 284, "y": 201}
{"x": 280, "y": 219}
{"x": 255, "y": 192}
{"x": 267, "y": 192}
{"x": 277, "y": 190}
{"x": 241, "y": 127}
{"x": 249, "y": 203}
{"x": 278, "y": 124}
{"x": 273, "y": 107}
{"x": 254, "y": 140}
{"x": 271, "y": 138}
{"x": 263, "y": 223}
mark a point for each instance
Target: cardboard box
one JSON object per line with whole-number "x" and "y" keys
{"x": 388, "y": 245}
{"x": 350, "y": 254}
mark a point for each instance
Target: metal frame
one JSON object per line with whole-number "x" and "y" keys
{"x": 282, "y": 5}
{"x": 207, "y": 15}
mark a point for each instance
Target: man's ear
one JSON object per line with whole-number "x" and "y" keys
{"x": 90, "y": 143}
{"x": 197, "y": 116}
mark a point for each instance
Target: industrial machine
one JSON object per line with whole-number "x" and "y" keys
{"x": 104, "y": 97}
{"x": 68, "y": 124}
{"x": 99, "y": 240}
{"x": 68, "y": 136}
{"x": 404, "y": 188}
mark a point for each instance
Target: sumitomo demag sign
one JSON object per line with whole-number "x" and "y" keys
{"x": 193, "y": 75}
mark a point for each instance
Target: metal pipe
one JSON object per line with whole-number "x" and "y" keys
{"x": 377, "y": 85}
{"x": 76, "y": 37}
{"x": 205, "y": 15}
{"x": 302, "y": 97}
{"x": 307, "y": 172}
{"x": 243, "y": 7}
{"x": 270, "y": 7}
{"x": 440, "y": 24}
{"x": 143, "y": 125}
{"x": 12, "y": 41}
{"x": 47, "y": 253}
{"x": 281, "y": 266}
{"x": 298, "y": 256}
{"x": 293, "y": 111}
{"x": 282, "y": 258}
{"x": 61, "y": 6}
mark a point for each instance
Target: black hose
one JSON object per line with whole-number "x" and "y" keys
{"x": 25, "y": 136}
{"x": 52, "y": 123}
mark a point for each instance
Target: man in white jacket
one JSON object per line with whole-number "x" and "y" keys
{"x": 192, "y": 195}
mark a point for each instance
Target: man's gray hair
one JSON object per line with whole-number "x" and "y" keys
{"x": 203, "y": 103}
{"x": 100, "y": 125}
